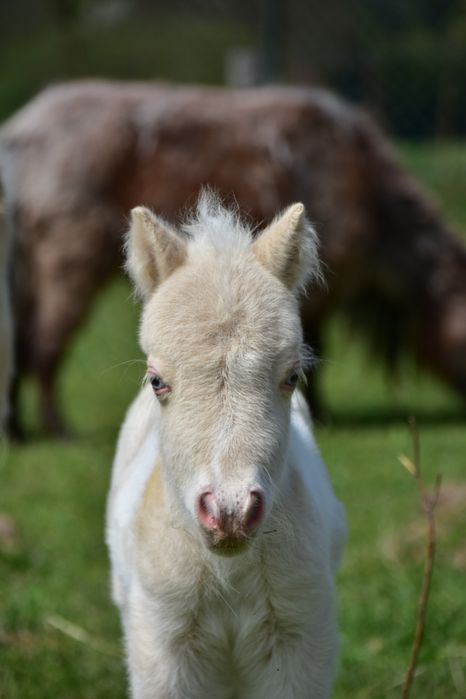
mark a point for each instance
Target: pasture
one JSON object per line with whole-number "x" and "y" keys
{"x": 59, "y": 633}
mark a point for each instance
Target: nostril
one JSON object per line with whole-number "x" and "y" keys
{"x": 255, "y": 509}
{"x": 207, "y": 510}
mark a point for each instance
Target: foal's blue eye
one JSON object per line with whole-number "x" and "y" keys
{"x": 292, "y": 379}
{"x": 159, "y": 386}
{"x": 156, "y": 382}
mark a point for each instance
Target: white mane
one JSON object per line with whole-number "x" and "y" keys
{"x": 212, "y": 225}
{"x": 214, "y": 228}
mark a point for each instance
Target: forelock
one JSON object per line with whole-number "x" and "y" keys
{"x": 215, "y": 227}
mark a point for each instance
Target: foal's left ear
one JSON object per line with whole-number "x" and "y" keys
{"x": 153, "y": 250}
{"x": 288, "y": 248}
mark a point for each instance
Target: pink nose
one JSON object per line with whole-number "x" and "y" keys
{"x": 226, "y": 523}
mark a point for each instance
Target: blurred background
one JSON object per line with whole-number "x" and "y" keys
{"x": 406, "y": 60}
{"x": 406, "y": 63}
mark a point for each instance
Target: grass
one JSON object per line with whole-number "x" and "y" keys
{"x": 59, "y": 634}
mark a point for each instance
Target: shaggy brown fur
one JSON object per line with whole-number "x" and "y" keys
{"x": 80, "y": 156}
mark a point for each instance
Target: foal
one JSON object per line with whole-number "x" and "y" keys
{"x": 223, "y": 528}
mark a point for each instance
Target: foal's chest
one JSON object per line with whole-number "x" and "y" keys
{"x": 239, "y": 620}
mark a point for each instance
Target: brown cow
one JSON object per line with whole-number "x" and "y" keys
{"x": 77, "y": 158}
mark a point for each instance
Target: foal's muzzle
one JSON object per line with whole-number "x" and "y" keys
{"x": 228, "y": 530}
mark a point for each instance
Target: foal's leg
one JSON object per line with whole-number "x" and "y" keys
{"x": 162, "y": 661}
{"x": 294, "y": 674}
{"x": 301, "y": 664}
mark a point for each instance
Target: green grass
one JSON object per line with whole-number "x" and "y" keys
{"x": 59, "y": 634}
{"x": 442, "y": 168}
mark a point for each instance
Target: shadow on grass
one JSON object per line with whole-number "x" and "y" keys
{"x": 364, "y": 417}
{"x": 387, "y": 416}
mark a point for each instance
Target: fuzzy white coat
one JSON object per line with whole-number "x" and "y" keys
{"x": 257, "y": 625}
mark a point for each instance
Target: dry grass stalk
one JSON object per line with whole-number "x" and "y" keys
{"x": 429, "y": 502}
{"x": 77, "y": 633}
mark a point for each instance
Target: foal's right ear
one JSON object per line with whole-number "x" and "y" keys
{"x": 288, "y": 248}
{"x": 153, "y": 250}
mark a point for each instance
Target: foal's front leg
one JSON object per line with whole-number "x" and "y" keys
{"x": 301, "y": 665}
{"x": 154, "y": 668}
{"x": 163, "y": 663}
{"x": 290, "y": 675}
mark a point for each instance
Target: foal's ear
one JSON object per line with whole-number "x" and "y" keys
{"x": 153, "y": 250}
{"x": 288, "y": 248}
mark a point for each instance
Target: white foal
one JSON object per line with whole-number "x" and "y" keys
{"x": 223, "y": 528}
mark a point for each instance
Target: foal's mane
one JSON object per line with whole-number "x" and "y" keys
{"x": 215, "y": 225}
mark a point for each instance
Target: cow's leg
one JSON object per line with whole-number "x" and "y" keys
{"x": 70, "y": 264}
{"x": 15, "y": 429}
{"x": 51, "y": 416}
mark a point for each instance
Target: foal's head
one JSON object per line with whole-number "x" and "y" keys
{"x": 224, "y": 346}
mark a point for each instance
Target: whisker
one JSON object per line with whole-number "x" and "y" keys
{"x": 120, "y": 364}
{"x": 268, "y": 475}
{"x": 226, "y": 603}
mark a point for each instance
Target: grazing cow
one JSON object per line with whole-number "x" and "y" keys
{"x": 223, "y": 528}
{"x": 81, "y": 155}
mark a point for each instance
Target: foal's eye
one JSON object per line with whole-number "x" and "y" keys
{"x": 292, "y": 380}
{"x": 159, "y": 386}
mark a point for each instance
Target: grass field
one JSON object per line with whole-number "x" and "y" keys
{"x": 59, "y": 634}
